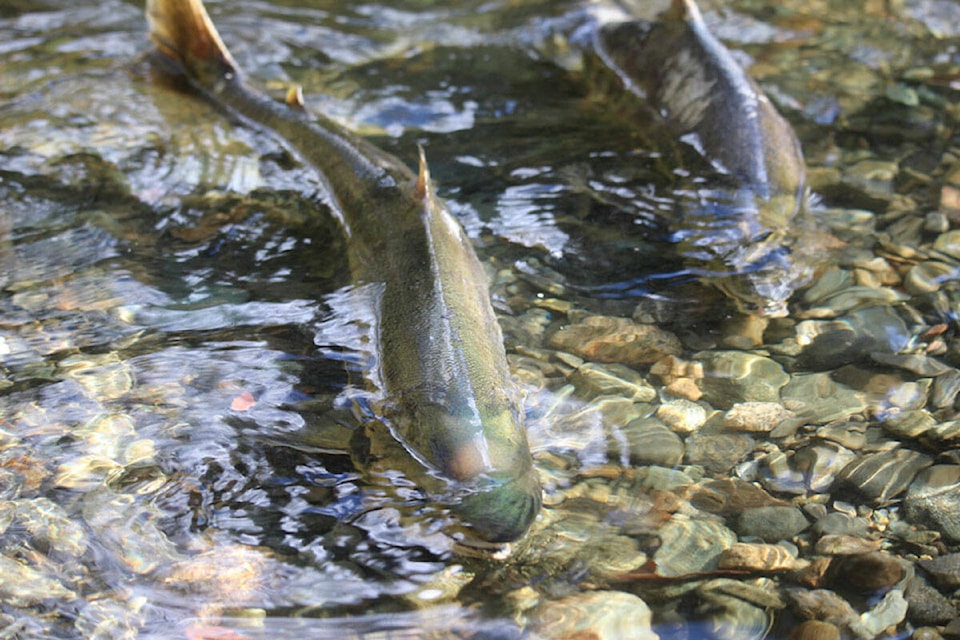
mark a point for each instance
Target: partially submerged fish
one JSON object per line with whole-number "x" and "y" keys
{"x": 441, "y": 358}
{"x": 737, "y": 231}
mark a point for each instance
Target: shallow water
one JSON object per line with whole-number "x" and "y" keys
{"x": 181, "y": 449}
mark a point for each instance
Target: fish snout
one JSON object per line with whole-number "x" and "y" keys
{"x": 502, "y": 510}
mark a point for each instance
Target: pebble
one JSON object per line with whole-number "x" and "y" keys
{"x": 819, "y": 399}
{"x": 600, "y": 615}
{"x": 836, "y": 523}
{"x": 682, "y": 416}
{"x": 614, "y": 339}
{"x": 648, "y": 441}
{"x": 771, "y": 524}
{"x": 815, "y": 630}
{"x": 614, "y": 379}
{"x": 877, "y": 478}
{"x": 718, "y": 453}
{"x": 844, "y": 545}
{"x": 730, "y": 377}
{"x": 927, "y": 605}
{"x": 729, "y": 496}
{"x": 867, "y": 573}
{"x": 890, "y": 612}
{"x": 760, "y": 557}
{"x": 943, "y": 570}
{"x": 756, "y": 417}
{"x": 933, "y": 500}
{"x": 689, "y": 546}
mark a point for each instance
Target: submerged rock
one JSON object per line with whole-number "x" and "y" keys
{"x": 613, "y": 339}
{"x": 602, "y": 615}
{"x": 933, "y": 500}
{"x": 731, "y": 377}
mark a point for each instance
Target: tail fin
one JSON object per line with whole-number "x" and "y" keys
{"x": 183, "y": 32}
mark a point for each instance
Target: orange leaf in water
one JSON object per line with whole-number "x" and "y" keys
{"x": 243, "y": 401}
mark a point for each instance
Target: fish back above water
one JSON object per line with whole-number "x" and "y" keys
{"x": 441, "y": 361}
{"x": 709, "y": 102}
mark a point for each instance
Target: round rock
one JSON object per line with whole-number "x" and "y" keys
{"x": 933, "y": 500}
{"x": 730, "y": 377}
{"x": 771, "y": 524}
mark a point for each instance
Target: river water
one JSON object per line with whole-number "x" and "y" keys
{"x": 181, "y": 448}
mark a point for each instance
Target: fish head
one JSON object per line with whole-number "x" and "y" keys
{"x": 499, "y": 509}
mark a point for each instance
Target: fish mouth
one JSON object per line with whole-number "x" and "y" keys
{"x": 500, "y": 512}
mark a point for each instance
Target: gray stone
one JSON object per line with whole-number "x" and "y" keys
{"x": 836, "y": 523}
{"x": 771, "y": 524}
{"x": 592, "y": 380}
{"x": 647, "y": 441}
{"x": 933, "y": 500}
{"x": 819, "y": 399}
{"x": 730, "y": 377}
{"x": 718, "y": 453}
{"x": 927, "y": 605}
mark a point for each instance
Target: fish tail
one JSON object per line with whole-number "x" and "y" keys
{"x": 183, "y": 33}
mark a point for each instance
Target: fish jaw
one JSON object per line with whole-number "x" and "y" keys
{"x": 500, "y": 510}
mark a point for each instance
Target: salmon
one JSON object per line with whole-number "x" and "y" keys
{"x": 440, "y": 357}
{"x": 739, "y": 230}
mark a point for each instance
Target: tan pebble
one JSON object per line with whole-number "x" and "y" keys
{"x": 756, "y": 416}
{"x": 842, "y": 545}
{"x": 760, "y": 557}
{"x": 684, "y": 388}
{"x": 815, "y": 630}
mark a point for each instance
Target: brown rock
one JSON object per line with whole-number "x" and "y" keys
{"x": 869, "y": 572}
{"x": 844, "y": 545}
{"x": 760, "y": 557}
{"x": 612, "y": 339}
{"x": 815, "y": 630}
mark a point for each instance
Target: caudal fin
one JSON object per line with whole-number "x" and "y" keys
{"x": 183, "y": 32}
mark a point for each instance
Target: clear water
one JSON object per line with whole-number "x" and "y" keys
{"x": 179, "y": 368}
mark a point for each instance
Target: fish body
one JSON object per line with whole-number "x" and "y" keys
{"x": 441, "y": 360}
{"x": 741, "y": 228}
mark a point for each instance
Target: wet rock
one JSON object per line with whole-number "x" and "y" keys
{"x": 690, "y": 546}
{"x": 909, "y": 424}
{"x": 928, "y": 277}
{"x": 823, "y": 605}
{"x": 753, "y": 417}
{"x": 592, "y": 380}
{"x": 890, "y": 612}
{"x": 613, "y": 339}
{"x": 853, "y": 338}
{"x": 718, "y": 453}
{"x": 927, "y": 606}
{"x": 602, "y": 615}
{"x": 877, "y": 478}
{"x": 682, "y": 416}
{"x": 837, "y": 523}
{"x": 760, "y": 557}
{"x": 933, "y": 500}
{"x": 867, "y": 573}
{"x": 648, "y": 441}
{"x": 730, "y": 377}
{"x": 762, "y": 592}
{"x": 771, "y": 524}
{"x": 943, "y": 570}
{"x": 731, "y": 617}
{"x": 819, "y": 399}
{"x": 24, "y": 586}
{"x": 813, "y": 468}
{"x": 729, "y": 497}
{"x": 948, "y": 243}
{"x": 945, "y": 389}
{"x": 844, "y": 545}
{"x": 815, "y": 630}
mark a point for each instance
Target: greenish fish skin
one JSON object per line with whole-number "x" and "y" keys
{"x": 442, "y": 365}
{"x": 709, "y": 101}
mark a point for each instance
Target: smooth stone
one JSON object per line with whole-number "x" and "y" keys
{"x": 927, "y": 605}
{"x": 771, "y": 523}
{"x": 729, "y": 497}
{"x": 819, "y": 399}
{"x": 933, "y": 500}
{"x": 867, "y": 573}
{"x": 815, "y": 630}
{"x": 851, "y": 435}
{"x": 647, "y": 441}
{"x": 945, "y": 389}
{"x": 760, "y": 557}
{"x": 943, "y": 570}
{"x": 730, "y": 377}
{"x": 948, "y": 243}
{"x": 592, "y": 380}
{"x": 613, "y": 339}
{"x": 601, "y": 615}
{"x": 841, "y": 524}
{"x": 928, "y": 277}
{"x": 844, "y": 545}
{"x": 853, "y": 338}
{"x": 909, "y": 424}
{"x": 877, "y": 478}
{"x": 756, "y": 417}
{"x": 718, "y": 453}
{"x": 812, "y": 468}
{"x": 689, "y": 546}
{"x": 682, "y": 416}
{"x": 890, "y": 612}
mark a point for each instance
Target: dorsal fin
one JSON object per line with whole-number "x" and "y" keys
{"x": 182, "y": 31}
{"x": 423, "y": 177}
{"x": 295, "y": 97}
